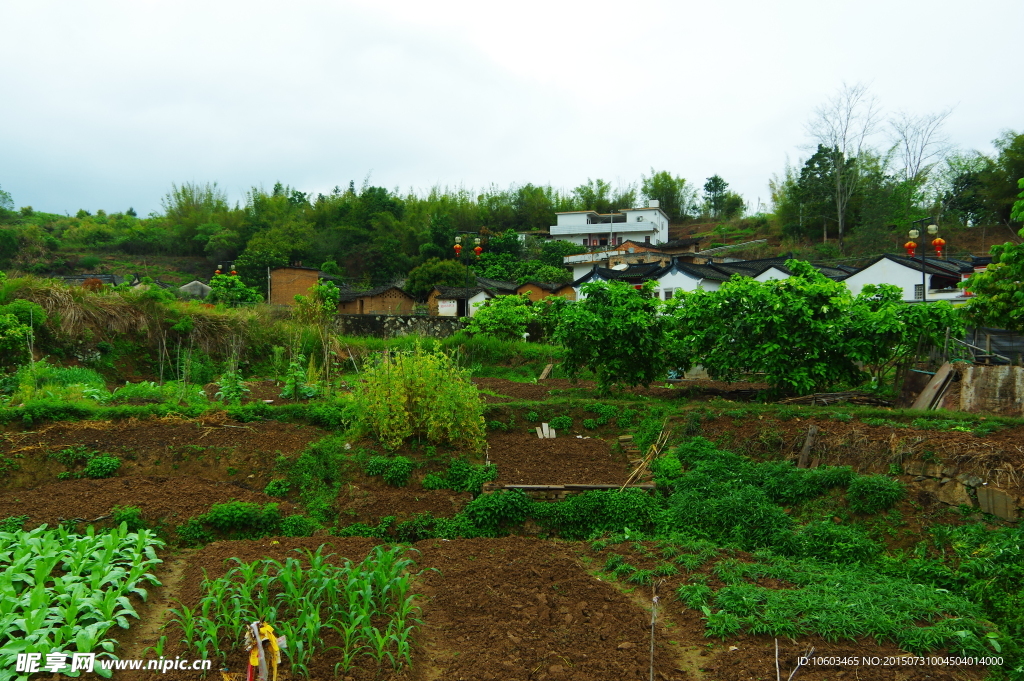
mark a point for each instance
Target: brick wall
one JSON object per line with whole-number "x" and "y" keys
{"x": 288, "y": 282}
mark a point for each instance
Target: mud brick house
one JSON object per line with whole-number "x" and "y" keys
{"x": 388, "y": 299}
{"x": 537, "y": 290}
{"x": 291, "y": 281}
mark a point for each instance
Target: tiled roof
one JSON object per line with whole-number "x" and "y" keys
{"x": 948, "y": 268}
{"x": 497, "y": 284}
{"x": 457, "y": 292}
{"x": 347, "y": 296}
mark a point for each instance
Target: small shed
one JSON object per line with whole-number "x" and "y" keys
{"x": 388, "y": 299}
{"x": 195, "y": 289}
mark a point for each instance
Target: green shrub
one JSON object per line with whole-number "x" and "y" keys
{"x": 394, "y": 470}
{"x": 491, "y": 514}
{"x": 532, "y": 416}
{"x": 584, "y": 515}
{"x": 298, "y": 526}
{"x": 561, "y": 423}
{"x": 317, "y": 474}
{"x": 277, "y": 488}
{"x": 254, "y": 411}
{"x": 131, "y": 516}
{"x": 243, "y": 519}
{"x": 874, "y": 493}
{"x": 590, "y": 424}
{"x": 694, "y": 595}
{"x": 461, "y": 476}
{"x": 424, "y": 394}
{"x": 102, "y": 467}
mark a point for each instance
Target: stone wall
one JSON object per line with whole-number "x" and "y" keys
{"x": 389, "y": 326}
{"x": 955, "y": 488}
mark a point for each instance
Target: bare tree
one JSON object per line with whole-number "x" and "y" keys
{"x": 842, "y": 127}
{"x": 919, "y": 142}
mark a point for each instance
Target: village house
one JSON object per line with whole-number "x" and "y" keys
{"x": 589, "y": 228}
{"x": 294, "y": 280}
{"x": 454, "y": 301}
{"x": 387, "y": 299}
{"x": 942, "y": 277}
{"x": 538, "y": 290}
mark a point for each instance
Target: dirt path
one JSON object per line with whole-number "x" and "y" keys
{"x": 152, "y": 613}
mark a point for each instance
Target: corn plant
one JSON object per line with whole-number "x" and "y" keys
{"x": 62, "y": 591}
{"x": 319, "y": 606}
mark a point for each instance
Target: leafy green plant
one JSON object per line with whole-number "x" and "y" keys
{"x": 394, "y": 470}
{"x": 131, "y": 516}
{"x": 295, "y": 385}
{"x": 532, "y": 416}
{"x": 277, "y": 488}
{"x": 461, "y": 476}
{"x": 590, "y": 424}
{"x": 504, "y": 317}
{"x": 102, "y": 467}
{"x": 874, "y": 493}
{"x": 231, "y": 388}
{"x": 561, "y": 423}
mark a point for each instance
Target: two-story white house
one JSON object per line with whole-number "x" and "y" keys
{"x": 592, "y": 229}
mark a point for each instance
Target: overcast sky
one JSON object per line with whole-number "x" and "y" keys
{"x": 105, "y": 104}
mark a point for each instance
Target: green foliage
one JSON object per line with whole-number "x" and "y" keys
{"x": 131, "y": 516}
{"x": 436, "y": 272}
{"x": 874, "y": 493}
{"x": 102, "y": 467}
{"x": 231, "y": 387}
{"x": 492, "y": 514}
{"x": 230, "y": 290}
{"x": 561, "y": 422}
{"x": 674, "y": 195}
{"x": 13, "y": 523}
{"x": 298, "y": 526}
{"x": 504, "y": 317}
{"x": 319, "y": 306}
{"x": 829, "y": 541}
{"x": 615, "y": 331}
{"x": 805, "y": 333}
{"x": 582, "y": 516}
{"x": 295, "y": 385}
{"x": 422, "y": 394}
{"x": 998, "y": 290}
{"x": 277, "y": 488}
{"x": 237, "y": 520}
{"x": 394, "y": 470}
{"x": 461, "y": 476}
{"x": 317, "y": 474}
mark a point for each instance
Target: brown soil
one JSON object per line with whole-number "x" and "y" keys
{"x": 161, "y": 499}
{"x": 170, "y": 446}
{"x": 526, "y": 459}
{"x": 542, "y": 390}
{"x": 371, "y": 500}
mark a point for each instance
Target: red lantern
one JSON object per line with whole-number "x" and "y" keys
{"x": 478, "y": 250}
{"x": 938, "y": 243}
{"x": 217, "y": 272}
{"x": 910, "y": 246}
{"x": 234, "y": 272}
{"x": 458, "y": 250}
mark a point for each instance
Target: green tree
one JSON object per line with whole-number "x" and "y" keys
{"x": 504, "y": 317}
{"x": 435, "y": 272}
{"x": 6, "y": 203}
{"x": 231, "y": 290}
{"x": 552, "y": 252}
{"x": 999, "y": 180}
{"x": 999, "y": 290}
{"x": 674, "y": 195}
{"x": 615, "y": 331}
{"x": 805, "y": 333}
{"x": 14, "y": 337}
{"x": 320, "y": 305}
{"x": 255, "y": 263}
{"x": 714, "y": 195}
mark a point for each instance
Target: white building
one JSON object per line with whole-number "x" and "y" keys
{"x": 592, "y": 229}
{"x": 940, "y": 276}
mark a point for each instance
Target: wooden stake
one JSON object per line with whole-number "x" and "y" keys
{"x": 805, "y": 453}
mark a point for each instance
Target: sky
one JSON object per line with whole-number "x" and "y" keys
{"x": 105, "y": 104}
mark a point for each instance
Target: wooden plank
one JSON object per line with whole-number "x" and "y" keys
{"x": 535, "y": 488}
{"x": 547, "y": 372}
{"x": 540, "y": 433}
{"x": 552, "y": 434}
{"x": 805, "y": 453}
{"x": 544, "y": 429}
{"x": 931, "y": 392}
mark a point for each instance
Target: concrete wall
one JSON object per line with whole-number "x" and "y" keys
{"x": 388, "y": 326}
{"x": 995, "y": 389}
{"x": 886, "y": 271}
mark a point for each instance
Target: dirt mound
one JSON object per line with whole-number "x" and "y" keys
{"x": 371, "y": 502}
{"x": 526, "y": 459}
{"x": 162, "y": 499}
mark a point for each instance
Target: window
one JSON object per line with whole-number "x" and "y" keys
{"x": 586, "y": 242}
{"x": 647, "y": 239}
{"x": 668, "y": 293}
{"x": 918, "y": 291}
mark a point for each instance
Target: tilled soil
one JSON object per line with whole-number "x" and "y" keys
{"x": 528, "y": 460}
{"x": 161, "y": 499}
{"x": 542, "y": 390}
{"x": 369, "y": 502}
{"x": 170, "y": 446}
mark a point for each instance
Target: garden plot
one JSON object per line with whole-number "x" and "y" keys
{"x": 525, "y": 459}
